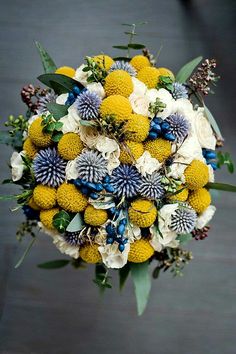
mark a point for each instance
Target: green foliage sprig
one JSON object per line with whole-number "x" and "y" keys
{"x": 165, "y": 82}
{"x": 98, "y": 73}
{"x": 156, "y": 107}
{"x": 52, "y": 127}
{"x": 225, "y": 159}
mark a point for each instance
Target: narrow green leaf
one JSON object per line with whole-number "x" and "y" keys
{"x": 136, "y": 46}
{"x": 76, "y": 224}
{"x": 59, "y": 83}
{"x": 123, "y": 47}
{"x": 221, "y": 187}
{"x": 5, "y": 138}
{"x": 57, "y": 110}
{"x": 48, "y": 64}
{"x": 123, "y": 275}
{"x": 186, "y": 71}
{"x": 127, "y": 24}
{"x": 212, "y": 121}
{"x": 59, "y": 263}
{"x": 25, "y": 253}
{"x": 142, "y": 284}
{"x": 131, "y": 33}
{"x": 56, "y": 137}
{"x": 184, "y": 238}
{"x": 156, "y": 272}
{"x": 122, "y": 58}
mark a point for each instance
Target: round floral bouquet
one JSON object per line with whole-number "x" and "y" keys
{"x": 116, "y": 160}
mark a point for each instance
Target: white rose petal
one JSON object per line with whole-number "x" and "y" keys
{"x": 89, "y": 136}
{"x": 204, "y": 131}
{"x": 147, "y": 164}
{"x": 191, "y": 149}
{"x": 71, "y": 120}
{"x": 205, "y": 217}
{"x": 97, "y": 88}
{"x": 139, "y": 103}
{"x": 17, "y": 165}
{"x": 164, "y": 97}
{"x": 71, "y": 170}
{"x": 110, "y": 151}
{"x": 112, "y": 257}
{"x": 140, "y": 88}
{"x": 81, "y": 75}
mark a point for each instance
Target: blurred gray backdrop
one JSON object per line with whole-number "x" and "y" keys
{"x": 61, "y": 311}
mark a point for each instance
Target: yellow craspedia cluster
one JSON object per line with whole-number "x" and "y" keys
{"x": 131, "y": 151}
{"x": 104, "y": 61}
{"x": 46, "y": 217}
{"x": 166, "y": 72}
{"x": 95, "y": 217}
{"x": 160, "y": 149}
{"x": 70, "y": 198}
{"x": 139, "y": 62}
{"x": 137, "y": 128}
{"x": 90, "y": 254}
{"x": 70, "y": 146}
{"x": 116, "y": 105}
{"x": 32, "y": 204}
{"x": 196, "y": 175}
{"x": 149, "y": 76}
{"x": 45, "y": 197}
{"x": 142, "y": 212}
{"x": 37, "y": 136}
{"x": 181, "y": 196}
{"x": 140, "y": 251}
{"x": 66, "y": 70}
{"x": 118, "y": 82}
{"x": 30, "y": 149}
{"x": 199, "y": 199}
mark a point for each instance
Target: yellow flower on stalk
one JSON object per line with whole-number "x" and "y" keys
{"x": 142, "y": 213}
{"x": 196, "y": 175}
{"x": 199, "y": 199}
{"x": 29, "y": 147}
{"x": 139, "y": 62}
{"x": 118, "y": 82}
{"x": 180, "y": 196}
{"x": 70, "y": 146}
{"x": 166, "y": 72}
{"x": 104, "y": 61}
{"x": 90, "y": 254}
{"x": 131, "y": 151}
{"x": 37, "y": 136}
{"x": 149, "y": 76}
{"x": 44, "y": 196}
{"x": 70, "y": 198}
{"x": 160, "y": 149}
{"x": 116, "y": 105}
{"x": 66, "y": 70}
{"x": 95, "y": 217}
{"x": 137, "y": 128}
{"x": 46, "y": 217}
{"x": 140, "y": 251}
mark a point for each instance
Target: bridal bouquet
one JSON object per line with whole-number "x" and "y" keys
{"x": 116, "y": 160}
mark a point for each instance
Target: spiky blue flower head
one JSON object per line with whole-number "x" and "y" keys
{"x": 49, "y": 168}
{"x": 183, "y": 220}
{"x": 179, "y": 91}
{"x": 151, "y": 186}
{"x": 126, "y": 180}
{"x": 44, "y": 100}
{"x": 179, "y": 126}
{"x": 74, "y": 238}
{"x": 91, "y": 166}
{"x": 122, "y": 65}
{"x": 88, "y": 104}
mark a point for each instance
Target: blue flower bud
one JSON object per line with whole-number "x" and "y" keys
{"x": 121, "y": 247}
{"x": 152, "y": 135}
{"x": 76, "y": 90}
{"x": 108, "y": 187}
{"x": 110, "y": 229}
{"x": 156, "y": 128}
{"x": 113, "y": 210}
{"x": 121, "y": 229}
{"x": 169, "y": 136}
{"x": 84, "y": 190}
{"x": 213, "y": 165}
{"x": 84, "y": 182}
{"x": 165, "y": 126}
{"x": 77, "y": 182}
{"x": 94, "y": 195}
{"x": 71, "y": 96}
{"x": 210, "y": 155}
{"x": 158, "y": 120}
{"x": 91, "y": 186}
{"x": 123, "y": 221}
{"x": 99, "y": 187}
{"x": 106, "y": 179}
{"x": 110, "y": 240}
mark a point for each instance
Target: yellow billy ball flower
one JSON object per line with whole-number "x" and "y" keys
{"x": 137, "y": 128}
{"x": 46, "y": 217}
{"x": 32, "y": 204}
{"x": 44, "y": 196}
{"x": 142, "y": 212}
{"x": 70, "y": 146}
{"x": 139, "y": 62}
{"x": 131, "y": 151}
{"x": 66, "y": 70}
{"x": 95, "y": 217}
{"x": 140, "y": 251}
{"x": 160, "y": 149}
{"x": 118, "y": 82}
{"x": 181, "y": 196}
{"x": 116, "y": 105}
{"x": 90, "y": 254}
{"x": 196, "y": 174}
{"x": 166, "y": 72}
{"x": 30, "y": 149}
{"x": 199, "y": 199}
{"x": 149, "y": 76}
{"x": 104, "y": 61}
{"x": 70, "y": 198}
{"x": 37, "y": 136}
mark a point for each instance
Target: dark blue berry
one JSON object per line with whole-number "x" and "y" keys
{"x": 110, "y": 240}
{"x": 152, "y": 135}
{"x": 121, "y": 229}
{"x": 99, "y": 187}
{"x": 94, "y": 195}
{"x": 106, "y": 179}
{"x": 84, "y": 190}
{"x": 169, "y": 136}
{"x": 108, "y": 187}
{"x": 121, "y": 247}
{"x": 165, "y": 127}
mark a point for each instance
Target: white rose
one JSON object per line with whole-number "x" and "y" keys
{"x": 176, "y": 170}
{"x": 71, "y": 120}
{"x": 71, "y": 170}
{"x": 132, "y": 232}
{"x": 17, "y": 165}
{"x": 139, "y": 103}
{"x": 88, "y": 135}
{"x": 81, "y": 75}
{"x": 97, "y": 88}
{"x": 204, "y": 131}
{"x": 184, "y": 107}
{"x": 165, "y": 97}
{"x": 112, "y": 257}
{"x": 191, "y": 149}
{"x": 147, "y": 164}
{"x": 205, "y": 217}
{"x": 140, "y": 88}
{"x": 110, "y": 151}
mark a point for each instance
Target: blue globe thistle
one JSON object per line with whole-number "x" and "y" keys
{"x": 183, "y": 220}
{"x": 91, "y": 166}
{"x": 88, "y": 104}
{"x": 179, "y": 126}
{"x": 49, "y": 97}
{"x": 126, "y": 180}
{"x": 151, "y": 186}
{"x": 179, "y": 91}
{"x": 49, "y": 168}
{"x": 122, "y": 65}
{"x": 74, "y": 238}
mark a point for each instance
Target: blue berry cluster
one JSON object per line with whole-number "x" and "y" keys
{"x": 210, "y": 156}
{"x": 116, "y": 233}
{"x": 160, "y": 129}
{"x": 92, "y": 190}
{"x": 30, "y": 213}
{"x": 76, "y": 91}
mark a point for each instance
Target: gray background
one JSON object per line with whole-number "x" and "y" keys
{"x": 61, "y": 311}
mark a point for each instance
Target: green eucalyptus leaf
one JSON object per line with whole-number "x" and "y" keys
{"x": 59, "y": 263}
{"x": 48, "y": 64}
{"x": 131, "y": 33}
{"x": 221, "y": 187}
{"x": 123, "y": 275}
{"x": 56, "y": 137}
{"x": 156, "y": 272}
{"x": 142, "y": 284}
{"x": 59, "y": 83}
{"x": 76, "y": 223}
{"x": 61, "y": 220}
{"x": 57, "y": 110}
{"x": 212, "y": 121}
{"x": 136, "y": 46}
{"x": 123, "y": 47}
{"x": 5, "y": 138}
{"x": 186, "y": 71}
{"x": 122, "y": 58}
{"x": 25, "y": 253}
{"x": 184, "y": 238}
